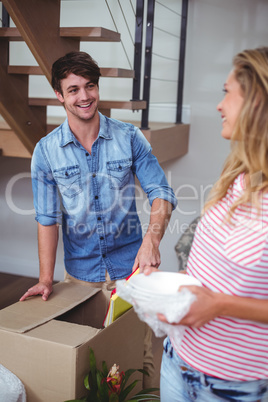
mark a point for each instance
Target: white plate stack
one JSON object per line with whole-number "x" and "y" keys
{"x": 156, "y": 293}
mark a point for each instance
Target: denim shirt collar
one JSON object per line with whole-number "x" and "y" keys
{"x": 67, "y": 136}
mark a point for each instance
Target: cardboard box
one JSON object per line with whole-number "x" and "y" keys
{"x": 46, "y": 344}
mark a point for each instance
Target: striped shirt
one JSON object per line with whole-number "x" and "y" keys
{"x": 231, "y": 258}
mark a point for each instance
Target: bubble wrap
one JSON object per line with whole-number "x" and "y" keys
{"x": 174, "y": 307}
{"x": 11, "y": 387}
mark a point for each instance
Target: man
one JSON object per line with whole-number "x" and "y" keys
{"x": 83, "y": 178}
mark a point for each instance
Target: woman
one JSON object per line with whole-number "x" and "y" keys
{"x": 224, "y": 352}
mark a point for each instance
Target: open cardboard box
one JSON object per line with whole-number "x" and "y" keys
{"x": 46, "y": 344}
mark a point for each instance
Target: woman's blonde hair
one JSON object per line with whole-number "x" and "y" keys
{"x": 249, "y": 144}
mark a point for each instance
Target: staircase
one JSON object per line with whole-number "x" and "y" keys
{"x": 25, "y": 119}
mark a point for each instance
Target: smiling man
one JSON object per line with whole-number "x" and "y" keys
{"x": 83, "y": 176}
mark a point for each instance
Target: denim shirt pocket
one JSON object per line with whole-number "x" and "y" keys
{"x": 68, "y": 180}
{"x": 118, "y": 172}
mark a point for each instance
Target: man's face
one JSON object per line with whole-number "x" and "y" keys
{"x": 80, "y": 97}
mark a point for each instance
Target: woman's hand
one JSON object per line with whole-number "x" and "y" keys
{"x": 204, "y": 309}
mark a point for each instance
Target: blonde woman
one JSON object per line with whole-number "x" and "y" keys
{"x": 224, "y": 353}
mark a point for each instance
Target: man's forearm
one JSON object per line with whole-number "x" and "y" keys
{"x": 160, "y": 216}
{"x": 47, "y": 248}
{"x": 148, "y": 254}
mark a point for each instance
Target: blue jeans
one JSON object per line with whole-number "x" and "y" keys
{"x": 179, "y": 382}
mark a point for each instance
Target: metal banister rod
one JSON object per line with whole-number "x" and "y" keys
{"x": 148, "y": 62}
{"x": 182, "y": 60}
{"x": 5, "y": 18}
{"x": 138, "y": 50}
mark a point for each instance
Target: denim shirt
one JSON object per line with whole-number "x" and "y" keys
{"x": 93, "y": 195}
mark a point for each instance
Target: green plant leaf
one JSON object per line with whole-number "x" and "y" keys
{"x": 129, "y": 372}
{"x": 86, "y": 382}
{"x": 105, "y": 370}
{"x": 103, "y": 388}
{"x": 99, "y": 378}
{"x": 143, "y": 372}
{"x": 92, "y": 360}
{"x": 126, "y": 376}
{"x": 93, "y": 368}
{"x": 145, "y": 397}
{"x": 125, "y": 392}
{"x": 99, "y": 390}
{"x": 113, "y": 398}
{"x": 146, "y": 391}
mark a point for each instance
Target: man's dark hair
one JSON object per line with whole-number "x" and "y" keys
{"x": 78, "y": 63}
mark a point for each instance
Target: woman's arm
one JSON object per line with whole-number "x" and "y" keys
{"x": 210, "y": 305}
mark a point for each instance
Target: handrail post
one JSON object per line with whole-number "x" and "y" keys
{"x": 5, "y": 17}
{"x": 138, "y": 50}
{"x": 148, "y": 62}
{"x": 182, "y": 60}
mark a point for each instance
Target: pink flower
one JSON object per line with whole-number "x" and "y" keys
{"x": 114, "y": 379}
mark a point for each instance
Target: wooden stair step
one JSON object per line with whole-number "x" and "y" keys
{"x": 86, "y": 34}
{"x": 10, "y": 144}
{"x": 105, "y": 71}
{"x": 97, "y": 34}
{"x": 103, "y": 104}
{"x": 168, "y": 141}
{"x": 13, "y": 34}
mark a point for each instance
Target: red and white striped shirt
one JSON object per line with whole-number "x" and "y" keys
{"x": 231, "y": 258}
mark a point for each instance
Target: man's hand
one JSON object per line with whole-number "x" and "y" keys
{"x": 148, "y": 255}
{"x": 41, "y": 288}
{"x": 47, "y": 247}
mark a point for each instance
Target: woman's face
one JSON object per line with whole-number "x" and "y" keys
{"x": 231, "y": 105}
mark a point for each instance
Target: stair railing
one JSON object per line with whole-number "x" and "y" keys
{"x": 148, "y": 58}
{"x": 184, "y": 14}
{"x": 5, "y": 18}
{"x": 139, "y": 59}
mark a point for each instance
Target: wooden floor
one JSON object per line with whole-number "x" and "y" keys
{"x": 12, "y": 287}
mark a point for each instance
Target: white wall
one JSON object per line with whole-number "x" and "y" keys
{"x": 217, "y": 30}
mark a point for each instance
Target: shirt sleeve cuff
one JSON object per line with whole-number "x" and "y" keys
{"x": 163, "y": 195}
{"x": 47, "y": 220}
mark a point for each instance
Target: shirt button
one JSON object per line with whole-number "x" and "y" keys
{"x": 101, "y": 237}
{"x": 94, "y": 175}
{"x": 99, "y": 218}
{"x": 103, "y": 255}
{"x": 96, "y": 197}
{"x": 87, "y": 153}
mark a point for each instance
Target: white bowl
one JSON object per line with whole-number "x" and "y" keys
{"x": 161, "y": 283}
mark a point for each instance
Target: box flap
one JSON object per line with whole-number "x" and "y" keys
{"x": 23, "y": 316}
{"x": 64, "y": 333}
